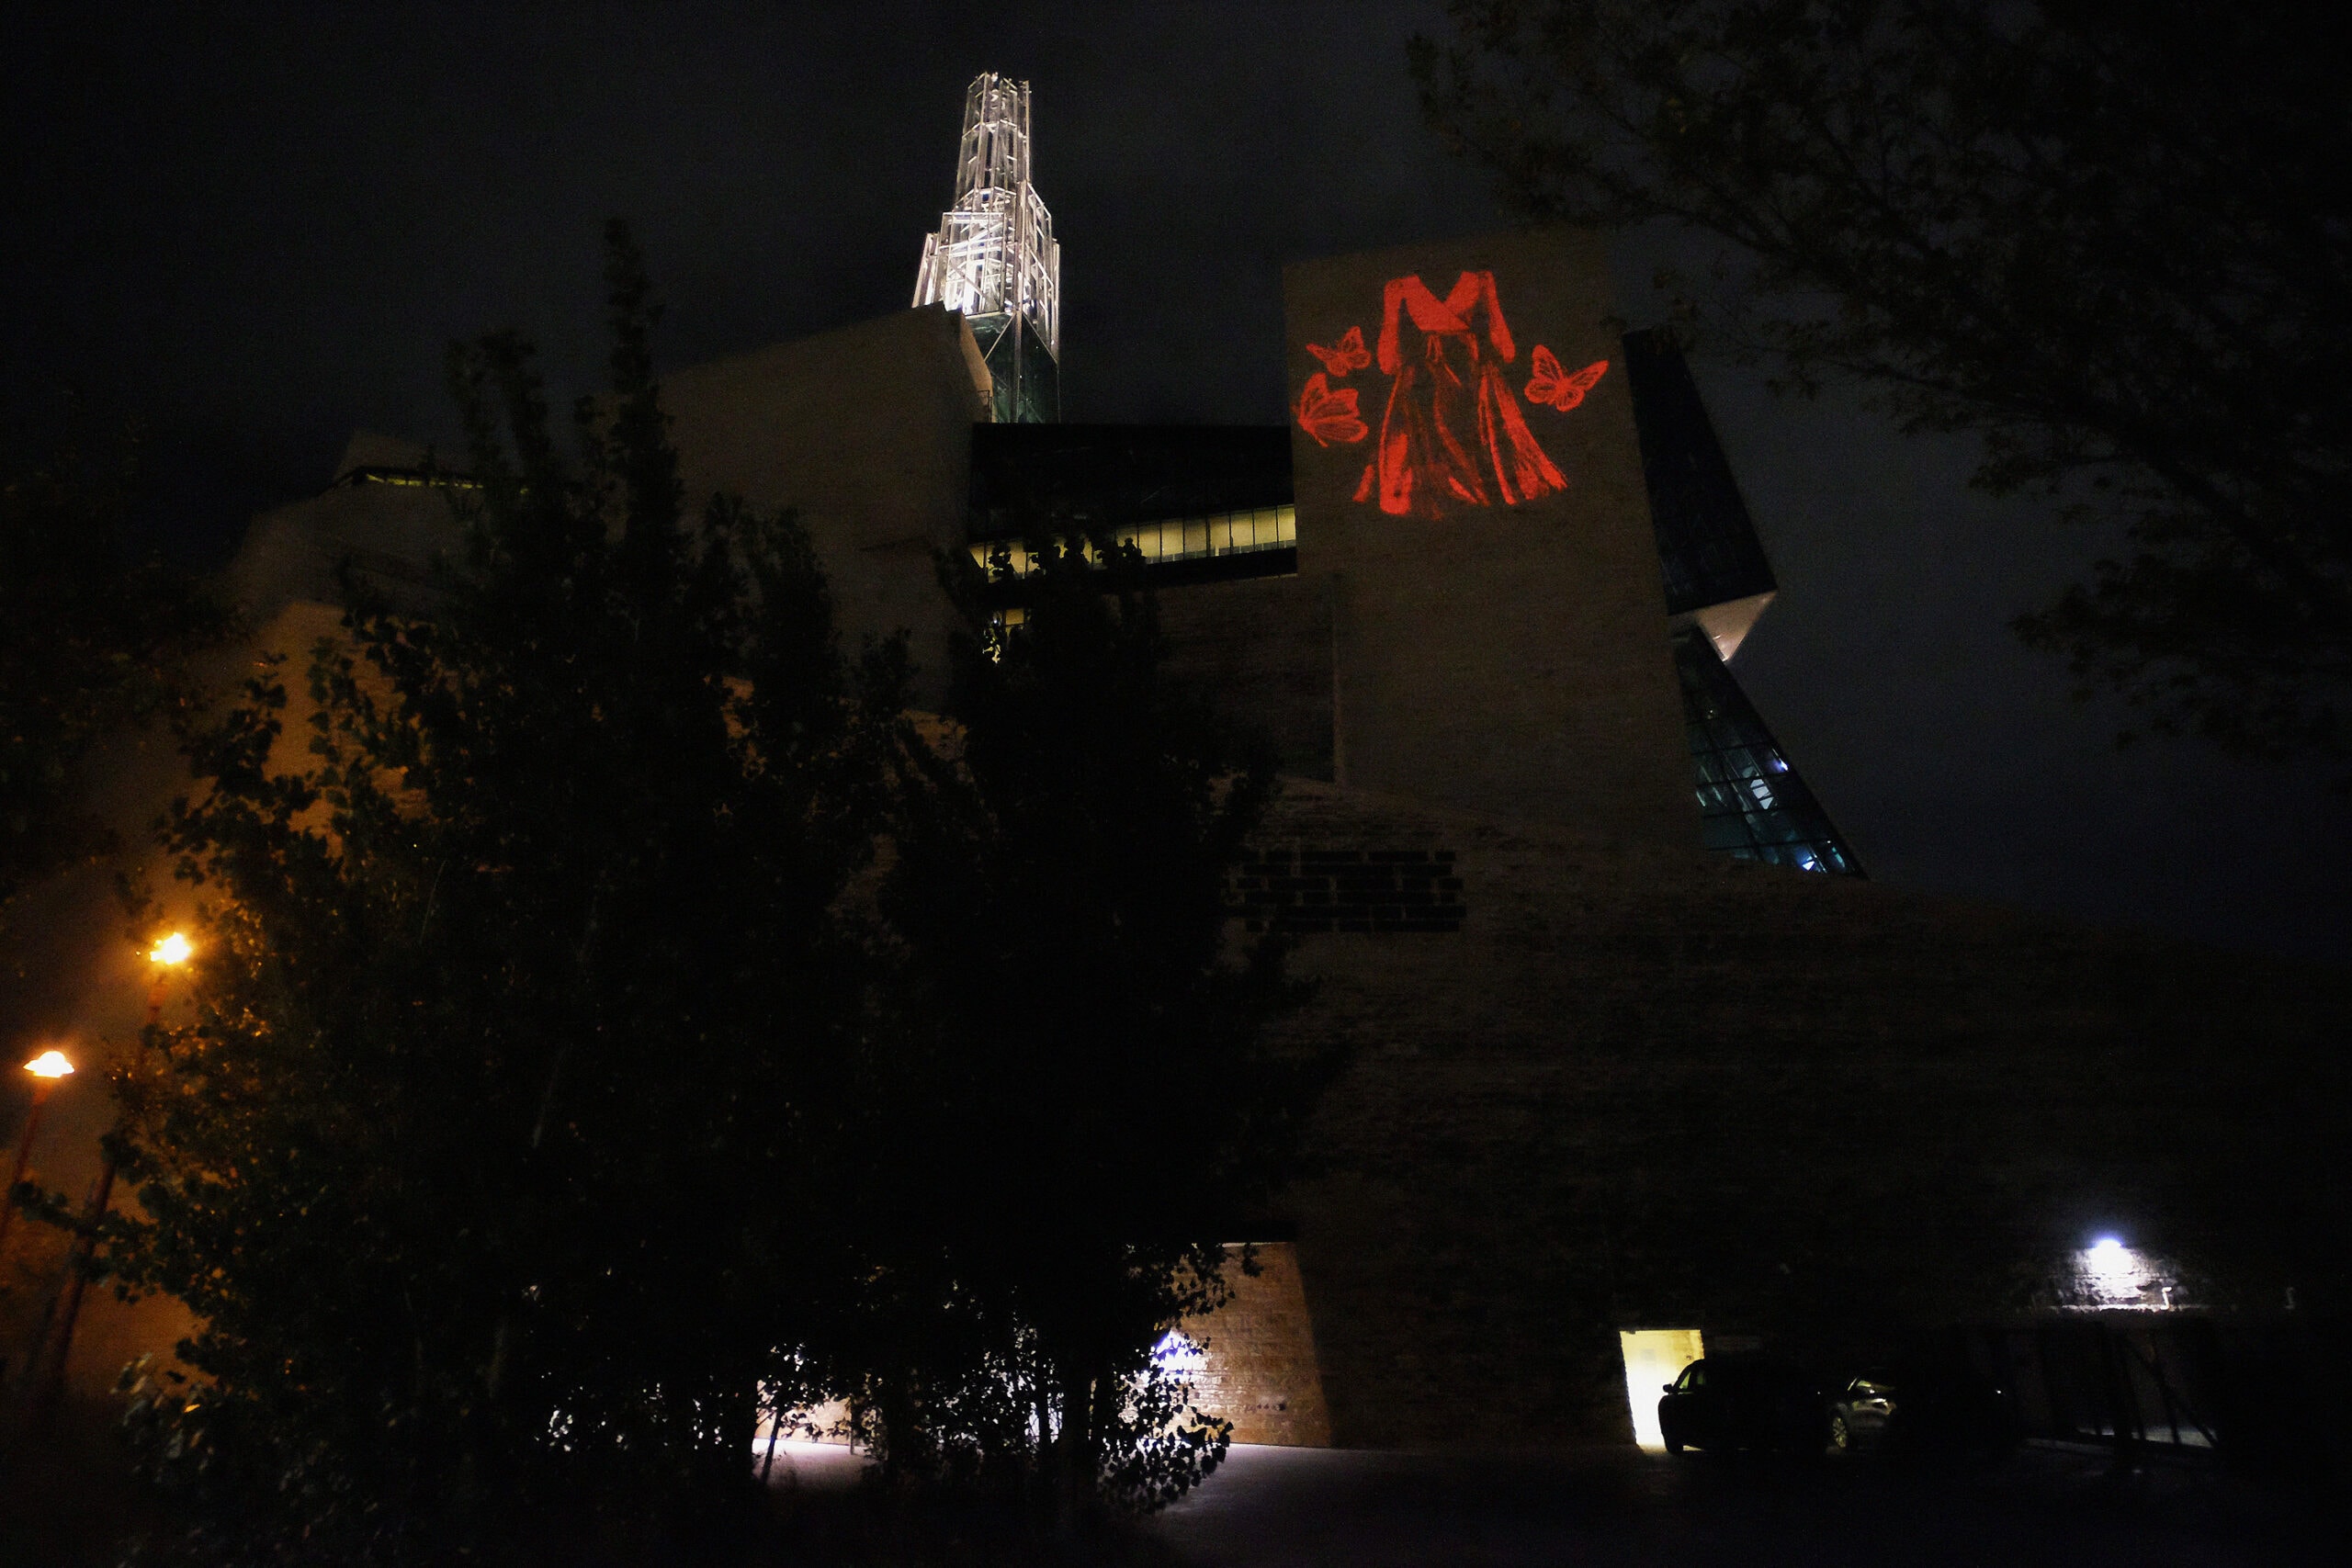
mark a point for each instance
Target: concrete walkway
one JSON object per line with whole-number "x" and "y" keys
{"x": 1310, "y": 1508}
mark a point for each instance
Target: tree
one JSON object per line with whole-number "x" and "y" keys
{"x": 2113, "y": 239}
{"x": 92, "y": 633}
{"x": 493, "y": 1163}
{"x": 1089, "y": 1100}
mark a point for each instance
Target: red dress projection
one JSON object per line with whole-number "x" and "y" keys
{"x": 1453, "y": 435}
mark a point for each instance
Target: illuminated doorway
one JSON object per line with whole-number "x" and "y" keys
{"x": 1654, "y": 1357}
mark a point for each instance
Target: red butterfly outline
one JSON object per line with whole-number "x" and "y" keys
{"x": 1330, "y": 415}
{"x": 1550, "y": 385}
{"x": 1349, "y": 354}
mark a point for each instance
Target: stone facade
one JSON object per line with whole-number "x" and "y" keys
{"x": 1257, "y": 1366}
{"x": 1645, "y": 1088}
{"x": 1504, "y": 657}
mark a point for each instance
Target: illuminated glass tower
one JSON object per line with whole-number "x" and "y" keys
{"x": 994, "y": 257}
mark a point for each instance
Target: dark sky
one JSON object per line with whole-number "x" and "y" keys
{"x": 255, "y": 227}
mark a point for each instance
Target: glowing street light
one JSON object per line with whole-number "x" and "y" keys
{"x": 168, "y": 954}
{"x": 46, "y": 1069}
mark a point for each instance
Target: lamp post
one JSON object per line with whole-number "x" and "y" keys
{"x": 167, "y": 955}
{"x": 46, "y": 1069}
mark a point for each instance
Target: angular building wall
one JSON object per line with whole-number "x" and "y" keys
{"x": 1468, "y": 478}
{"x": 1627, "y": 1087}
{"x": 867, "y": 433}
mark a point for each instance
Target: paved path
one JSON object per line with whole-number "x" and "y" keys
{"x": 1321, "y": 1508}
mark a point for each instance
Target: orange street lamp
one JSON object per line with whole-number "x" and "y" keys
{"x": 48, "y": 1377}
{"x": 168, "y": 954}
{"x": 46, "y": 1069}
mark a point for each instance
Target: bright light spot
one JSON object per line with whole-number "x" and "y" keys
{"x": 2116, "y": 1275}
{"x": 1654, "y": 1357}
{"x": 1179, "y": 1354}
{"x": 173, "y": 949}
{"x": 48, "y": 1065}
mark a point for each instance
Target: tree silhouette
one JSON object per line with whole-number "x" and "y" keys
{"x": 492, "y": 1161}
{"x": 1094, "y": 1101}
{"x": 2112, "y": 239}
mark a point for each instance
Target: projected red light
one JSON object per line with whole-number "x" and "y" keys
{"x": 1451, "y": 434}
{"x": 1330, "y": 415}
{"x": 1348, "y": 353}
{"x": 1549, "y": 384}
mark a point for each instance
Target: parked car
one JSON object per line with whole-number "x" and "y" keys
{"x": 1859, "y": 1410}
{"x": 1726, "y": 1403}
{"x": 1923, "y": 1409}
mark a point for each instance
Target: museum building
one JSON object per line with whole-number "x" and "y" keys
{"x": 1640, "y": 1060}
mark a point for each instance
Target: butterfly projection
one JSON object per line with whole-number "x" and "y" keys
{"x": 1348, "y": 353}
{"x": 1550, "y": 385}
{"x": 1328, "y": 415}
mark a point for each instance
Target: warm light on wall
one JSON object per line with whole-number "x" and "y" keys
{"x": 1654, "y": 1357}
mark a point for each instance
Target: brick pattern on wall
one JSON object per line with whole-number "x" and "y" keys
{"x": 1651, "y": 1088}
{"x": 1257, "y": 1367}
{"x": 1301, "y": 888}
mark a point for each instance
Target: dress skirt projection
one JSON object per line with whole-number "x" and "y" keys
{"x": 1452, "y": 435}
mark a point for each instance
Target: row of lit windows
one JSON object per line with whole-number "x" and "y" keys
{"x": 1183, "y": 538}
{"x": 408, "y": 476}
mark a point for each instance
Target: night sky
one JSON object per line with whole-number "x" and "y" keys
{"x": 255, "y": 227}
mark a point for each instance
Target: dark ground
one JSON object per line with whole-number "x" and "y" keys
{"x": 1305, "y": 1508}
{"x": 1329, "y": 1509}
{"x": 1271, "y": 1508}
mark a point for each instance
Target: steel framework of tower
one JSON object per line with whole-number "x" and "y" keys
{"x": 994, "y": 257}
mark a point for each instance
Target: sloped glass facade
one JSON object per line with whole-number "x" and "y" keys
{"x": 1752, "y": 804}
{"x": 1706, "y": 544}
{"x": 1025, "y": 383}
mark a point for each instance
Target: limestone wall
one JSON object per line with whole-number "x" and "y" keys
{"x": 1264, "y": 646}
{"x": 1504, "y": 652}
{"x": 1257, "y": 1366}
{"x": 1641, "y": 1088}
{"x": 868, "y": 432}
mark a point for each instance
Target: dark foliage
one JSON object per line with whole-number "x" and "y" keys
{"x": 492, "y": 1161}
{"x": 569, "y": 1079}
{"x": 93, "y": 631}
{"x": 1085, "y": 1087}
{"x": 2112, "y": 238}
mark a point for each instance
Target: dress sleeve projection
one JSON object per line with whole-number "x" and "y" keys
{"x": 1391, "y": 298}
{"x": 1498, "y": 331}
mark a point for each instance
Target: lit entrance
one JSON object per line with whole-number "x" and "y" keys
{"x": 1654, "y": 1357}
